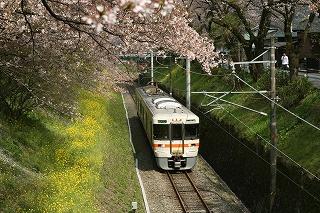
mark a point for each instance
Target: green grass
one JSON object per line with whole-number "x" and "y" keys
{"x": 298, "y": 140}
{"x": 86, "y": 163}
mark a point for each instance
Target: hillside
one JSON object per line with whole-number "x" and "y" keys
{"x": 296, "y": 139}
{"x": 53, "y": 163}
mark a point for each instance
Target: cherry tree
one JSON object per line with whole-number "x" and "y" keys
{"x": 44, "y": 41}
{"x": 127, "y": 25}
{"x": 314, "y": 5}
{"x": 244, "y": 24}
{"x": 285, "y": 12}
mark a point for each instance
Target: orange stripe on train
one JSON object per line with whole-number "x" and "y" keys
{"x": 173, "y": 145}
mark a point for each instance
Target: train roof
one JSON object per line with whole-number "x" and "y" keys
{"x": 162, "y": 105}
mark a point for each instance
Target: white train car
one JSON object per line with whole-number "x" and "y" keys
{"x": 172, "y": 129}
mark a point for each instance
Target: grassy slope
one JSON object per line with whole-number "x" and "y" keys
{"x": 296, "y": 139}
{"x": 86, "y": 164}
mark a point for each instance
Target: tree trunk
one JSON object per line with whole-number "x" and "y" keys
{"x": 293, "y": 65}
{"x": 259, "y": 49}
{"x": 255, "y": 69}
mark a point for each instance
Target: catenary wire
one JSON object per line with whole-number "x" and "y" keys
{"x": 297, "y": 116}
{"x": 273, "y": 146}
{"x": 268, "y": 142}
{"x": 286, "y": 176}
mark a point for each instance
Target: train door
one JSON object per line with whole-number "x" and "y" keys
{"x": 176, "y": 136}
{"x": 176, "y": 133}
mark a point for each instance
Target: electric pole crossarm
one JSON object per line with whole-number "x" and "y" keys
{"x": 253, "y": 62}
{"x": 235, "y": 92}
{"x": 238, "y": 105}
{"x": 215, "y": 100}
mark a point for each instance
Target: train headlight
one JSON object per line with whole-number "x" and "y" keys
{"x": 163, "y": 145}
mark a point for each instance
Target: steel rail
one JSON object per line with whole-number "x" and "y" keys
{"x": 181, "y": 201}
{"x": 196, "y": 189}
{"x": 177, "y": 192}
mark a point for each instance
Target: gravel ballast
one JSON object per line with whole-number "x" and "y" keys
{"x": 159, "y": 191}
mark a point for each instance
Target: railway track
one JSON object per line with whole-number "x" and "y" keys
{"x": 189, "y": 196}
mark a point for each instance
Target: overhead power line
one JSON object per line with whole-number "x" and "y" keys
{"x": 269, "y": 143}
{"x": 265, "y": 140}
{"x": 252, "y": 151}
{"x": 295, "y": 115}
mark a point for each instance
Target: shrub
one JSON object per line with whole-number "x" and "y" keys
{"x": 15, "y": 98}
{"x": 296, "y": 90}
{"x": 264, "y": 82}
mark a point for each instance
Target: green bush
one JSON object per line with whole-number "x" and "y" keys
{"x": 291, "y": 92}
{"x": 296, "y": 90}
{"x": 264, "y": 82}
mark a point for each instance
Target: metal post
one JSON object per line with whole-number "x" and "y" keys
{"x": 170, "y": 81}
{"x": 151, "y": 57}
{"x": 239, "y": 51}
{"x": 188, "y": 80}
{"x": 273, "y": 128}
{"x": 170, "y": 69}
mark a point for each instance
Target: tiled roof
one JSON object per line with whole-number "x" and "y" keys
{"x": 301, "y": 19}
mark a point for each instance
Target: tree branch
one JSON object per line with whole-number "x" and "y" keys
{"x": 61, "y": 18}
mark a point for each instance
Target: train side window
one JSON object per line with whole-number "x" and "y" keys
{"x": 176, "y": 132}
{"x": 161, "y": 131}
{"x": 191, "y": 131}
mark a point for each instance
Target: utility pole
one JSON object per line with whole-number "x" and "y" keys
{"x": 170, "y": 69}
{"x": 151, "y": 56}
{"x": 170, "y": 82}
{"x": 188, "y": 84}
{"x": 273, "y": 128}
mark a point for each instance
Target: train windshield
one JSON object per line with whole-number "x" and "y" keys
{"x": 191, "y": 131}
{"x": 161, "y": 132}
{"x": 176, "y": 132}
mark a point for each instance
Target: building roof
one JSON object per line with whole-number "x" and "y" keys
{"x": 299, "y": 24}
{"x": 301, "y": 18}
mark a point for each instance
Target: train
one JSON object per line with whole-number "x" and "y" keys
{"x": 171, "y": 128}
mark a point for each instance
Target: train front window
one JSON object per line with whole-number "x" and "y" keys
{"x": 191, "y": 131}
{"x": 160, "y": 132}
{"x": 176, "y": 132}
